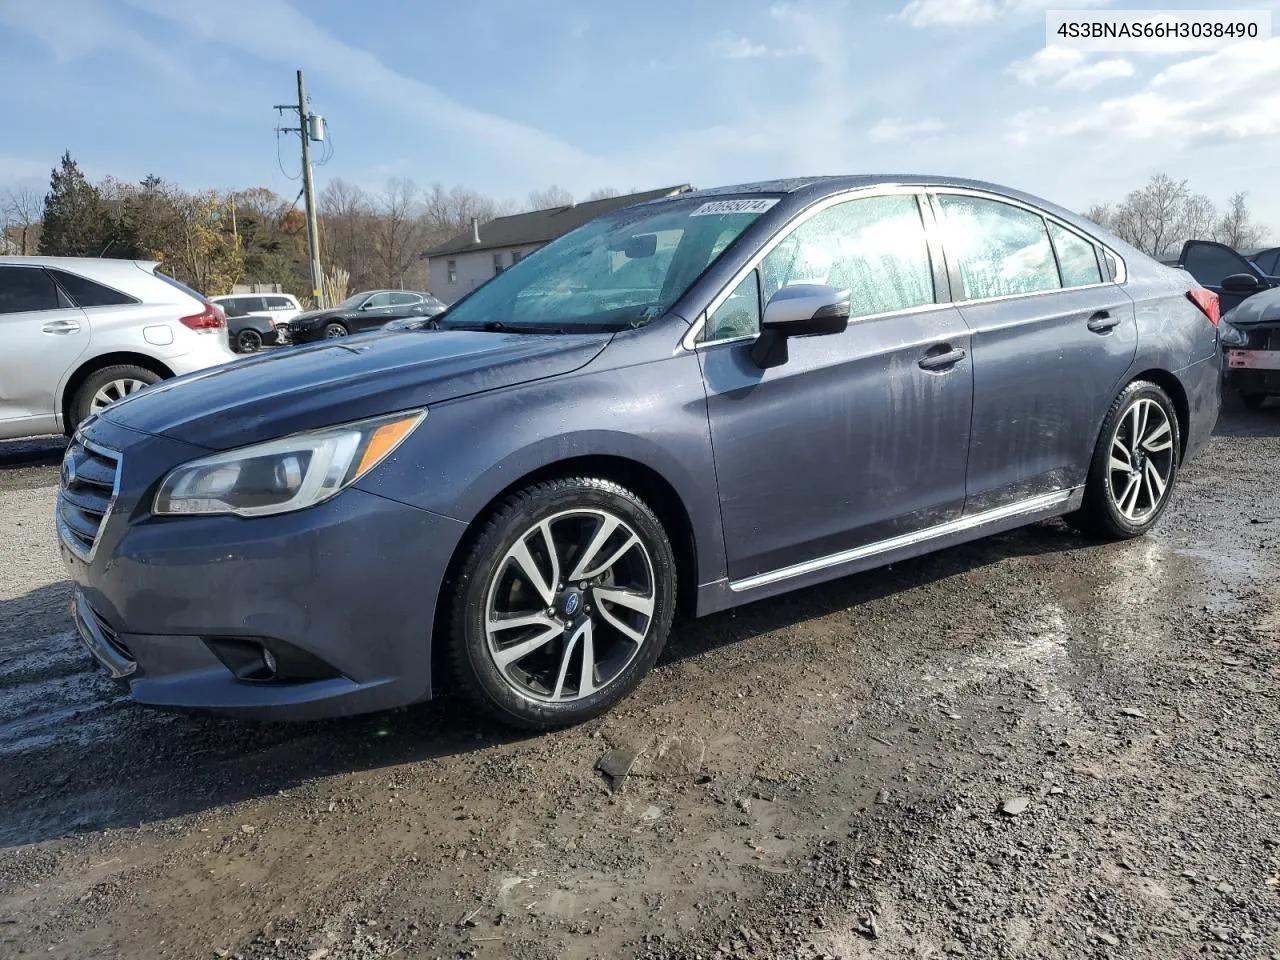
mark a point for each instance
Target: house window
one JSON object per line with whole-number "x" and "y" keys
{"x": 452, "y": 267}
{"x": 497, "y": 263}
{"x": 515, "y": 257}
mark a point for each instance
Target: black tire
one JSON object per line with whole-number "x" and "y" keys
{"x": 82, "y": 402}
{"x": 334, "y": 330}
{"x": 248, "y": 341}
{"x": 1253, "y": 401}
{"x": 474, "y": 670}
{"x": 1099, "y": 515}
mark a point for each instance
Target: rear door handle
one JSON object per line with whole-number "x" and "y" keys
{"x": 61, "y": 326}
{"x": 1103, "y": 322}
{"x": 942, "y": 357}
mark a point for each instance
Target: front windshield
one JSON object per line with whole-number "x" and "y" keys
{"x": 623, "y": 269}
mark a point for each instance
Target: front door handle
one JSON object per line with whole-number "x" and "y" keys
{"x": 942, "y": 357}
{"x": 61, "y": 326}
{"x": 1103, "y": 322}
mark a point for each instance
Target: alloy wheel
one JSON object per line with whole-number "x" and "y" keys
{"x": 570, "y": 605}
{"x": 1142, "y": 460}
{"x": 114, "y": 390}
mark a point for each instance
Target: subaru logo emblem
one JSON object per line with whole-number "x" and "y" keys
{"x": 571, "y": 603}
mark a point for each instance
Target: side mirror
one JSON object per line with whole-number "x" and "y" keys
{"x": 1245, "y": 283}
{"x": 800, "y": 310}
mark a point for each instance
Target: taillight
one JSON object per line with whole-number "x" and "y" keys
{"x": 208, "y": 320}
{"x": 1208, "y": 303}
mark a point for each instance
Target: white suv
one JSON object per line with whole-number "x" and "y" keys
{"x": 77, "y": 334}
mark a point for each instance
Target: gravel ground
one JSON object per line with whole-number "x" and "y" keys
{"x": 1031, "y": 746}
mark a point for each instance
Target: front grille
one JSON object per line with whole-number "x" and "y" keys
{"x": 89, "y": 482}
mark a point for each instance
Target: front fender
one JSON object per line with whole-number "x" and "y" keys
{"x": 469, "y": 451}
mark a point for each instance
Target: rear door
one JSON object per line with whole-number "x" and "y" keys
{"x": 1052, "y": 340}
{"x": 860, "y": 436}
{"x": 42, "y": 335}
{"x": 1211, "y": 263}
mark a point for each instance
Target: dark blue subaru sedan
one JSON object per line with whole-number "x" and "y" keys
{"x": 683, "y": 406}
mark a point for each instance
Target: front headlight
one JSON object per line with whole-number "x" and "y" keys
{"x": 283, "y": 475}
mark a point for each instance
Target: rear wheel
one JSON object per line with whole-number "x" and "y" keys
{"x": 1253, "y": 401}
{"x": 563, "y": 603}
{"x": 104, "y": 387}
{"x": 248, "y": 341}
{"x": 334, "y": 330}
{"x": 1134, "y": 466}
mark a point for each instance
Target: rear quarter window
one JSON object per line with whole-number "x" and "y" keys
{"x": 89, "y": 293}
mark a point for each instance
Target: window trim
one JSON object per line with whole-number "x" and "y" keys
{"x": 53, "y": 275}
{"x": 1122, "y": 269}
{"x": 690, "y": 339}
{"x": 925, "y": 194}
{"x": 1102, "y": 271}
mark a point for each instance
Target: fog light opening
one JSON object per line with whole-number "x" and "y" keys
{"x": 263, "y": 660}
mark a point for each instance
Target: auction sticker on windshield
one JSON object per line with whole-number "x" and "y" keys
{"x": 716, "y": 207}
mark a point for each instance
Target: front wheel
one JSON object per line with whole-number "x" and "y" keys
{"x": 334, "y": 330}
{"x": 562, "y": 604}
{"x": 1134, "y": 466}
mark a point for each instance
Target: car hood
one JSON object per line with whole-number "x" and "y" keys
{"x": 304, "y": 388}
{"x": 1261, "y": 308}
{"x": 322, "y": 315}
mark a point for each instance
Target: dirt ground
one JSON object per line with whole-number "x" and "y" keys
{"x": 820, "y": 775}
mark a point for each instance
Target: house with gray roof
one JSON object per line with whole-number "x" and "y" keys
{"x": 460, "y": 265}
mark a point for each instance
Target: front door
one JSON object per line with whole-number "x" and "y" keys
{"x": 1211, "y": 262}
{"x": 859, "y": 436}
{"x": 41, "y": 336}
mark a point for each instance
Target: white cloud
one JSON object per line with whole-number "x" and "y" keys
{"x": 931, "y": 13}
{"x": 740, "y": 48}
{"x": 1069, "y": 68}
{"x": 1195, "y": 100}
{"x": 893, "y": 130}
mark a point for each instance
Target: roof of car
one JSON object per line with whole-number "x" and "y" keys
{"x": 70, "y": 263}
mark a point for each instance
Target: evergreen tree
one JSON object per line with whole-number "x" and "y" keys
{"x": 75, "y": 223}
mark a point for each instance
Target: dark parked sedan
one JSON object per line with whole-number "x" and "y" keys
{"x": 682, "y": 406}
{"x": 362, "y": 312}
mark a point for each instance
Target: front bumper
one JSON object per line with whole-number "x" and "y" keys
{"x": 351, "y": 584}
{"x": 1254, "y": 371}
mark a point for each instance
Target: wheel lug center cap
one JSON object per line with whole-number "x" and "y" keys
{"x": 570, "y": 603}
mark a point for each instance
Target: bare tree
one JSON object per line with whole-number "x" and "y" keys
{"x": 553, "y": 196}
{"x": 1102, "y": 215}
{"x": 346, "y": 227}
{"x": 1199, "y": 218}
{"x": 449, "y": 212}
{"x": 20, "y": 213}
{"x": 399, "y": 231}
{"x": 1151, "y": 218}
{"x": 604, "y": 193}
{"x": 1236, "y": 227}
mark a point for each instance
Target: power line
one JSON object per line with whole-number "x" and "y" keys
{"x": 310, "y": 127}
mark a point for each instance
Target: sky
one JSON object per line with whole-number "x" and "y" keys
{"x": 506, "y": 96}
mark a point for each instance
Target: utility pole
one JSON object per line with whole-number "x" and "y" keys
{"x": 310, "y": 127}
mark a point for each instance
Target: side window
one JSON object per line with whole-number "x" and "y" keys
{"x": 1109, "y": 261}
{"x": 26, "y": 289}
{"x": 738, "y": 316}
{"x": 1266, "y": 261}
{"x": 278, "y": 303}
{"x": 377, "y": 301}
{"x": 498, "y": 266}
{"x": 86, "y": 293}
{"x": 401, "y": 299}
{"x": 1211, "y": 263}
{"x": 874, "y": 247}
{"x": 1001, "y": 250}
{"x": 451, "y": 267}
{"x": 1077, "y": 258}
